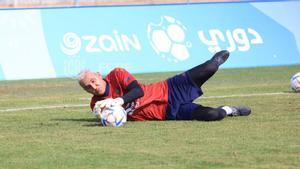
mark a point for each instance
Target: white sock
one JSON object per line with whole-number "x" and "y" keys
{"x": 227, "y": 109}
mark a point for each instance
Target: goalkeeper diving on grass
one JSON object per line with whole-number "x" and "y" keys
{"x": 170, "y": 99}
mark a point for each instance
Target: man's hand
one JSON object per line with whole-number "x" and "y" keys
{"x": 110, "y": 102}
{"x": 100, "y": 105}
{"x": 97, "y": 111}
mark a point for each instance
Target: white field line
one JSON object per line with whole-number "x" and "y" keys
{"x": 245, "y": 95}
{"x": 43, "y": 107}
{"x": 85, "y": 105}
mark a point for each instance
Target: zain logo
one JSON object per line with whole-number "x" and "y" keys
{"x": 168, "y": 39}
{"x": 71, "y": 44}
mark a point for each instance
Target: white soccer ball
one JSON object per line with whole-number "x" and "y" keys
{"x": 295, "y": 82}
{"x": 113, "y": 116}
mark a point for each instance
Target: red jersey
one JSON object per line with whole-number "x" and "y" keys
{"x": 152, "y": 106}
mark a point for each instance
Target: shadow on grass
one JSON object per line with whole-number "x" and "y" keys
{"x": 88, "y": 122}
{"x": 290, "y": 91}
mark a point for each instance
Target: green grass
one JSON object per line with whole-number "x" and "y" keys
{"x": 70, "y": 137}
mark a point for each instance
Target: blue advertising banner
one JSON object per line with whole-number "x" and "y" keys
{"x": 59, "y": 42}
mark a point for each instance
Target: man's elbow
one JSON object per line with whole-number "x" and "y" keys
{"x": 141, "y": 92}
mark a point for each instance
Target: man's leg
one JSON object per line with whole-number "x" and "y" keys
{"x": 212, "y": 114}
{"x": 193, "y": 111}
{"x": 201, "y": 73}
{"x": 208, "y": 113}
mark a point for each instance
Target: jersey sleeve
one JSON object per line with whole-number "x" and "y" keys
{"x": 124, "y": 77}
{"x": 93, "y": 102}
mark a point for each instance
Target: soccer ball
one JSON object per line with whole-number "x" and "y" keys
{"x": 113, "y": 116}
{"x": 295, "y": 82}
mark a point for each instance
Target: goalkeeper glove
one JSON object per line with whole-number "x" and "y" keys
{"x": 110, "y": 102}
{"x": 100, "y": 105}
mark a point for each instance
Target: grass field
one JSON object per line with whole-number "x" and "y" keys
{"x": 61, "y": 135}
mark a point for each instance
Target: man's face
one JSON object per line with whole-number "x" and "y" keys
{"x": 93, "y": 83}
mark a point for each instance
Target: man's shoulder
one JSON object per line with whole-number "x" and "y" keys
{"x": 118, "y": 72}
{"x": 119, "y": 69}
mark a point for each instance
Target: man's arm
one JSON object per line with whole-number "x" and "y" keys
{"x": 133, "y": 91}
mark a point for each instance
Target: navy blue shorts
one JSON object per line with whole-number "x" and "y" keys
{"x": 181, "y": 94}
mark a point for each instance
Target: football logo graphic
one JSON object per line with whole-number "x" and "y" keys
{"x": 168, "y": 39}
